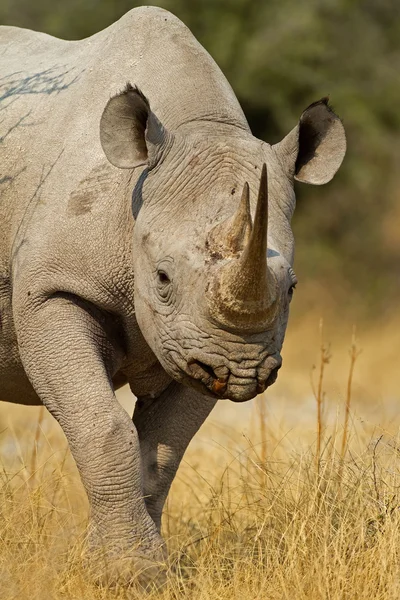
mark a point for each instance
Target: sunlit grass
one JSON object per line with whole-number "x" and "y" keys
{"x": 248, "y": 516}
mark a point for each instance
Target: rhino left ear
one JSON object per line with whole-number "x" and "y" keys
{"x": 130, "y": 133}
{"x": 314, "y": 150}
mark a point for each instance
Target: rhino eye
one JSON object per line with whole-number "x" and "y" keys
{"x": 164, "y": 286}
{"x": 163, "y": 277}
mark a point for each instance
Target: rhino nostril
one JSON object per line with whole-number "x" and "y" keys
{"x": 272, "y": 377}
{"x": 268, "y": 372}
{"x": 200, "y": 369}
{"x": 216, "y": 378}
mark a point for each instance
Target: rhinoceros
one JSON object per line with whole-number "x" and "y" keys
{"x": 145, "y": 239}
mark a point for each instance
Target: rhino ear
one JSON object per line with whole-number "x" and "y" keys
{"x": 130, "y": 133}
{"x": 314, "y": 150}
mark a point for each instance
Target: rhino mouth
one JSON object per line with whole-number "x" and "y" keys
{"x": 220, "y": 382}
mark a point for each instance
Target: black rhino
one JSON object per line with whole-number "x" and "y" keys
{"x": 145, "y": 239}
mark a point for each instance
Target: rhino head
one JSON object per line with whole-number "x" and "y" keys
{"x": 212, "y": 243}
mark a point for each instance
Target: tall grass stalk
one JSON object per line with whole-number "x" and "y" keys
{"x": 262, "y": 422}
{"x": 35, "y": 447}
{"x": 319, "y": 394}
{"x": 354, "y": 353}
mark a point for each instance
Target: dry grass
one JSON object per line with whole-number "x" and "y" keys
{"x": 256, "y": 516}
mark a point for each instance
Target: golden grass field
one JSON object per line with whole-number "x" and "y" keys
{"x": 256, "y": 510}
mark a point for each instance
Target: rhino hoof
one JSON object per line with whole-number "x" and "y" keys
{"x": 132, "y": 571}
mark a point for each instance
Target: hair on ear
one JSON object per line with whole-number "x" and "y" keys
{"x": 139, "y": 103}
{"x": 129, "y": 88}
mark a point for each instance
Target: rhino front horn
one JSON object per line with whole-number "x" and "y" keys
{"x": 243, "y": 294}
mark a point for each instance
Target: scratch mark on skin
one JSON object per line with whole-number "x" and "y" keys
{"x": 7, "y": 105}
{"x": 80, "y": 204}
{"x": 97, "y": 183}
{"x": 45, "y": 82}
{"x": 19, "y": 123}
{"x": 9, "y": 179}
{"x": 35, "y": 195}
{"x": 14, "y": 86}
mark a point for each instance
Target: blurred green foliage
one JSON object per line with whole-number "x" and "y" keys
{"x": 279, "y": 56}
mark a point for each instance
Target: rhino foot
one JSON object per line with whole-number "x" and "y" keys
{"x": 130, "y": 570}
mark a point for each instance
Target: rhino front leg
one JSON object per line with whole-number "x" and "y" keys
{"x": 165, "y": 427}
{"x": 67, "y": 354}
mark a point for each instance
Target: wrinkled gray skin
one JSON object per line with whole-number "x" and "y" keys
{"x": 112, "y": 266}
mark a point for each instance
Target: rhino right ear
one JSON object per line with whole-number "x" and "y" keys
{"x": 130, "y": 133}
{"x": 313, "y": 151}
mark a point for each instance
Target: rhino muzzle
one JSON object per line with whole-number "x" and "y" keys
{"x": 234, "y": 385}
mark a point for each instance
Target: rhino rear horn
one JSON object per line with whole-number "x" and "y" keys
{"x": 130, "y": 133}
{"x": 232, "y": 235}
